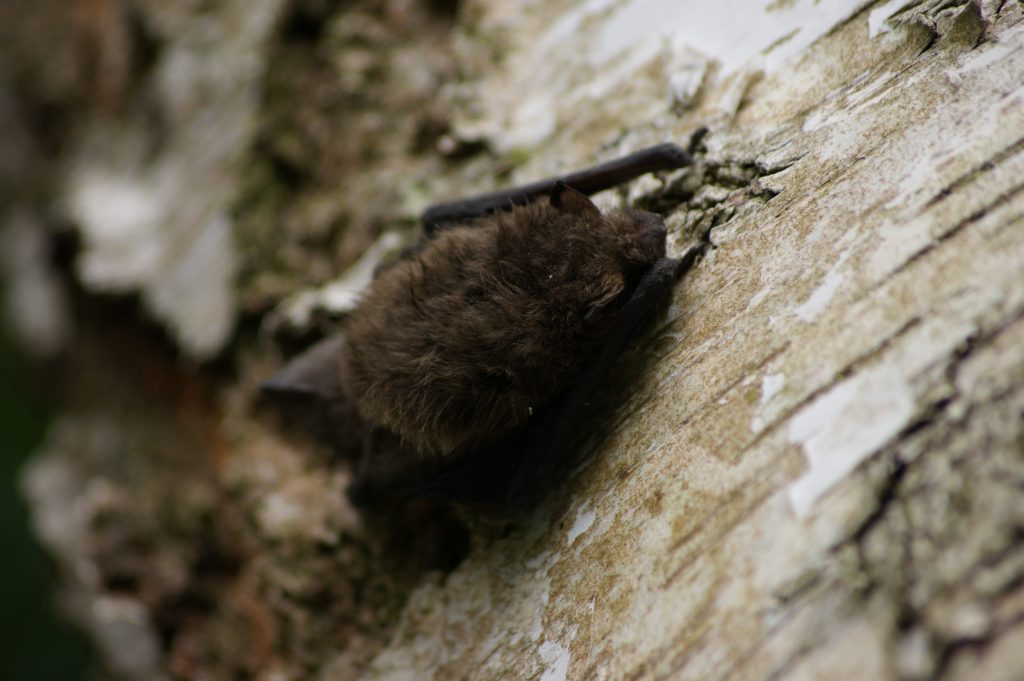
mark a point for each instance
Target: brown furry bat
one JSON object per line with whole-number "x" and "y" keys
{"x": 456, "y": 346}
{"x": 469, "y": 360}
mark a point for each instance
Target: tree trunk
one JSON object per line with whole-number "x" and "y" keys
{"x": 811, "y": 467}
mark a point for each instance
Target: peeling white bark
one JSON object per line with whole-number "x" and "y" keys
{"x": 160, "y": 226}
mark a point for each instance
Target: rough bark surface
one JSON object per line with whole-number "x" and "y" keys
{"x": 812, "y": 467}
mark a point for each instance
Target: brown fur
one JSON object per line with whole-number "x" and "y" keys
{"x": 457, "y": 345}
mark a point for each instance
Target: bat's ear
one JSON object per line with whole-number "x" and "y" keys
{"x": 568, "y": 200}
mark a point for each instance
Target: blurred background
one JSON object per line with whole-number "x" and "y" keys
{"x": 171, "y": 174}
{"x": 37, "y": 643}
{"x": 35, "y": 640}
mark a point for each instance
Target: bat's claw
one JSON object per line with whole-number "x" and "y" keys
{"x": 689, "y": 256}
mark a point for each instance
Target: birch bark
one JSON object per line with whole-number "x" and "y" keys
{"x": 811, "y": 468}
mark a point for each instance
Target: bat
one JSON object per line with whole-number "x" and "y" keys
{"x": 462, "y": 373}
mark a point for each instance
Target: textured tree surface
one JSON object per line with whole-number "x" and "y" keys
{"x": 810, "y": 467}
